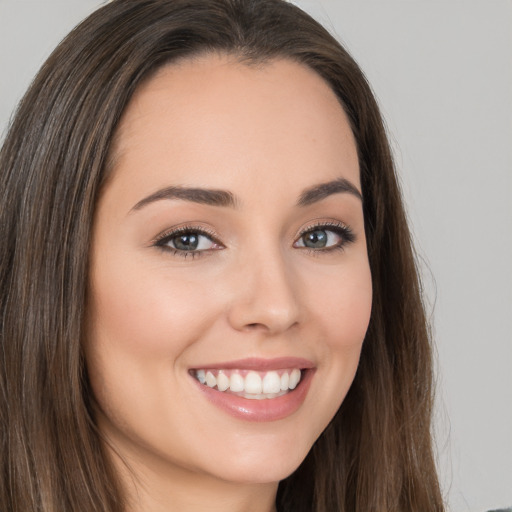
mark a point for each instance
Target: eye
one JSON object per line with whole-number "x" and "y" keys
{"x": 186, "y": 241}
{"x": 325, "y": 237}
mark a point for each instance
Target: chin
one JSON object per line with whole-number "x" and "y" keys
{"x": 255, "y": 465}
{"x": 266, "y": 472}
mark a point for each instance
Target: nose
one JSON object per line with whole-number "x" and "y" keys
{"x": 265, "y": 295}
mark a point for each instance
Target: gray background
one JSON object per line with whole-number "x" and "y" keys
{"x": 442, "y": 71}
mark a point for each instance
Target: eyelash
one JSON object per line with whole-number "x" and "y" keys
{"x": 343, "y": 231}
{"x": 162, "y": 241}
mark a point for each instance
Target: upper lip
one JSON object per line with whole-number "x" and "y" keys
{"x": 261, "y": 364}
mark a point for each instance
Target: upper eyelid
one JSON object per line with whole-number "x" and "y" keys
{"x": 340, "y": 228}
{"x": 326, "y": 225}
{"x": 186, "y": 229}
{"x": 212, "y": 235}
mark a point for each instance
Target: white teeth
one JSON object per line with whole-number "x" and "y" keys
{"x": 285, "y": 379}
{"x": 271, "y": 383}
{"x": 294, "y": 378}
{"x": 222, "y": 381}
{"x": 201, "y": 376}
{"x": 263, "y": 396}
{"x": 253, "y": 383}
{"x": 211, "y": 381}
{"x": 236, "y": 383}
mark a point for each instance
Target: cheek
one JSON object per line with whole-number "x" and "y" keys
{"x": 148, "y": 313}
{"x": 342, "y": 314}
{"x": 139, "y": 329}
{"x": 343, "y": 306}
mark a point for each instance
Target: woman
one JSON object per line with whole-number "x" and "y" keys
{"x": 201, "y": 224}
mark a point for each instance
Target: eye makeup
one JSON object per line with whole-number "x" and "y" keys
{"x": 188, "y": 241}
{"x": 325, "y": 237}
{"x": 195, "y": 241}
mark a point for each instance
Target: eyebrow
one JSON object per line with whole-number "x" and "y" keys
{"x": 319, "y": 192}
{"x": 195, "y": 195}
{"x": 225, "y": 198}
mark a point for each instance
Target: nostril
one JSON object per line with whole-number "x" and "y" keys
{"x": 262, "y": 309}
{"x": 255, "y": 326}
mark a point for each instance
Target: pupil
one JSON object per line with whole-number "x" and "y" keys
{"x": 186, "y": 242}
{"x": 316, "y": 239}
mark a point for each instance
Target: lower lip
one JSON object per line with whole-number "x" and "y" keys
{"x": 269, "y": 409}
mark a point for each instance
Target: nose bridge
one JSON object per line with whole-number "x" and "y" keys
{"x": 265, "y": 295}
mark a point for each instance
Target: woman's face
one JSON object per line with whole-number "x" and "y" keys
{"x": 228, "y": 261}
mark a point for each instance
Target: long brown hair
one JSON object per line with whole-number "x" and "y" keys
{"x": 376, "y": 454}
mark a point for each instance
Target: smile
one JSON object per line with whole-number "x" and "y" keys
{"x": 257, "y": 385}
{"x": 256, "y": 389}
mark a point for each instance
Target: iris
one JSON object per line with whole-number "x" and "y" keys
{"x": 315, "y": 239}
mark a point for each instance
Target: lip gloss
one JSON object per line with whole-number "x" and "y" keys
{"x": 267, "y": 409}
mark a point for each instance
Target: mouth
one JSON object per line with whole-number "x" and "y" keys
{"x": 250, "y": 384}
{"x": 256, "y": 389}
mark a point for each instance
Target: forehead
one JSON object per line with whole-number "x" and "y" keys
{"x": 213, "y": 121}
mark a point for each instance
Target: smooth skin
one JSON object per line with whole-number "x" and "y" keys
{"x": 262, "y": 276}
